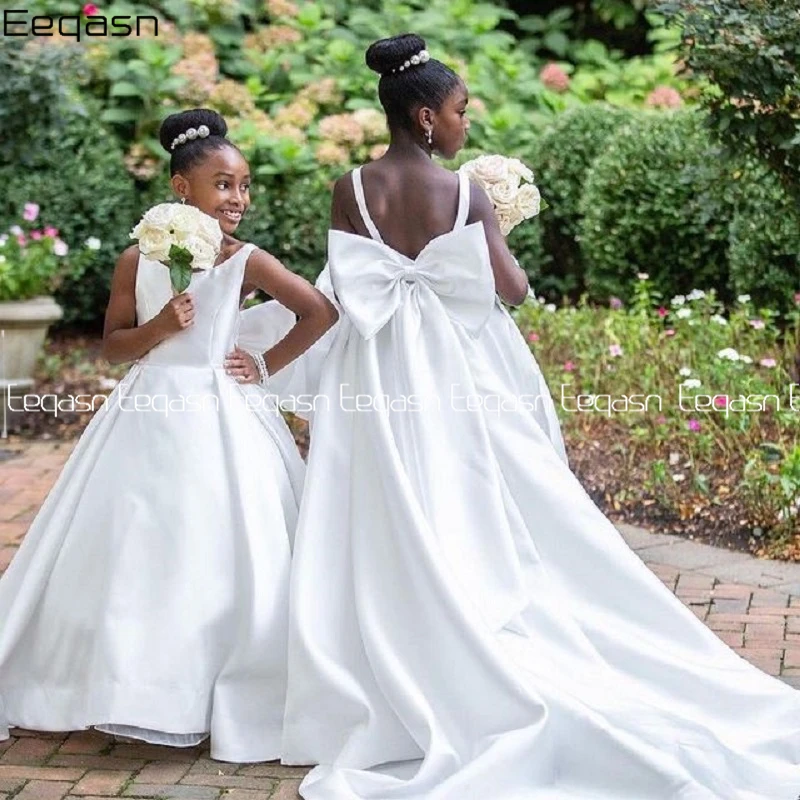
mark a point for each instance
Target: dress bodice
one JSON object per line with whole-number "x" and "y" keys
{"x": 373, "y": 280}
{"x": 215, "y": 292}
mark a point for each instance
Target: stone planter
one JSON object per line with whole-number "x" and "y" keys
{"x": 23, "y": 327}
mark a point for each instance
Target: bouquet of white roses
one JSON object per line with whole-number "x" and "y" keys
{"x": 509, "y": 184}
{"x": 181, "y": 237}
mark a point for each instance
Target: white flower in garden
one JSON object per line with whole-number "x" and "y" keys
{"x": 743, "y": 298}
{"x": 696, "y": 294}
{"x": 769, "y": 363}
{"x": 60, "y": 247}
{"x": 642, "y": 276}
{"x": 614, "y": 350}
{"x": 487, "y": 170}
{"x": 719, "y": 319}
{"x": 93, "y": 243}
{"x": 678, "y": 300}
{"x": 729, "y": 354}
{"x": 2, "y": 259}
{"x": 683, "y": 313}
{"x": 551, "y": 307}
{"x": 757, "y": 324}
{"x": 15, "y": 230}
{"x": 746, "y": 359}
{"x": 685, "y": 372}
{"x": 3, "y": 240}
{"x": 692, "y": 383}
{"x": 678, "y": 477}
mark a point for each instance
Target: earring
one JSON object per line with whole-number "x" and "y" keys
{"x": 183, "y": 200}
{"x": 429, "y": 136}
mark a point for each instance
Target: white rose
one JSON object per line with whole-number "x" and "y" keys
{"x": 528, "y": 201}
{"x": 60, "y": 247}
{"x": 502, "y": 193}
{"x": 159, "y": 216}
{"x": 487, "y": 170}
{"x": 508, "y": 218}
{"x": 93, "y": 243}
{"x": 516, "y": 167}
{"x": 203, "y": 254}
{"x": 154, "y": 243}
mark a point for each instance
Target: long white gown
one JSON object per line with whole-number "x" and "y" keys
{"x": 465, "y": 623}
{"x": 150, "y": 595}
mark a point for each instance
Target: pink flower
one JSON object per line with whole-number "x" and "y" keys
{"x": 31, "y": 212}
{"x": 569, "y": 366}
{"x": 21, "y": 240}
{"x": 661, "y": 420}
{"x": 664, "y": 97}
{"x": 769, "y": 363}
{"x": 533, "y": 337}
{"x": 614, "y": 350}
{"x": 721, "y": 401}
{"x": 797, "y": 298}
{"x": 51, "y": 231}
{"x": 758, "y": 324}
{"x": 36, "y": 235}
{"x": 553, "y": 77}
{"x": 693, "y": 425}
{"x": 669, "y": 332}
{"x": 615, "y": 303}
{"x": 662, "y": 312}
{"x": 90, "y": 10}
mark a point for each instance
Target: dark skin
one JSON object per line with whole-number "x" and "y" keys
{"x": 406, "y": 178}
{"x": 220, "y": 187}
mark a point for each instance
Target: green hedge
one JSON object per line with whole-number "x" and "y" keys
{"x": 765, "y": 240}
{"x": 657, "y": 200}
{"x": 76, "y": 174}
{"x": 564, "y": 153}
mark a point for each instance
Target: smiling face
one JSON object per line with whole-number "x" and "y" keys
{"x": 451, "y": 123}
{"x": 219, "y": 186}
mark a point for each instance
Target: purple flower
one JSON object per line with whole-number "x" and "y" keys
{"x": 615, "y": 303}
{"x": 614, "y": 350}
{"x": 693, "y": 425}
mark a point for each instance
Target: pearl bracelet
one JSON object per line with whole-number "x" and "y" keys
{"x": 261, "y": 366}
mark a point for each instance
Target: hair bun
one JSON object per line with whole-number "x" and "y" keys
{"x": 176, "y": 124}
{"x": 386, "y": 55}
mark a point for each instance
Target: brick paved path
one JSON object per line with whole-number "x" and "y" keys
{"x": 750, "y": 604}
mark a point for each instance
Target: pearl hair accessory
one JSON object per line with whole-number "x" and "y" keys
{"x": 423, "y": 57}
{"x": 192, "y": 133}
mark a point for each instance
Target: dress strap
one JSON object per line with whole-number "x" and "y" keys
{"x": 358, "y": 187}
{"x": 463, "y": 200}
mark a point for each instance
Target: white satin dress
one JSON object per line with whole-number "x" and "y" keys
{"x": 465, "y": 623}
{"x": 150, "y": 595}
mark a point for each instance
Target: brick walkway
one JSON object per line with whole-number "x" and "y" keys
{"x": 752, "y": 605}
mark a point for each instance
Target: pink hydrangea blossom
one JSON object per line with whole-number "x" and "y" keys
{"x": 51, "y": 231}
{"x": 664, "y": 97}
{"x": 30, "y": 212}
{"x": 553, "y": 77}
{"x": 21, "y": 240}
{"x": 769, "y": 363}
{"x": 36, "y": 235}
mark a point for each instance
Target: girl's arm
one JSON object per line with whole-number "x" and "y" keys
{"x": 122, "y": 339}
{"x": 511, "y": 282}
{"x": 316, "y": 314}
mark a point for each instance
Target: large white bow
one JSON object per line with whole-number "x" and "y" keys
{"x": 371, "y": 279}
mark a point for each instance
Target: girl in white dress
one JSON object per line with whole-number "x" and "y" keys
{"x": 150, "y": 595}
{"x": 465, "y": 623}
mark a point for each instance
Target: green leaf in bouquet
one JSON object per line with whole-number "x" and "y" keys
{"x": 180, "y": 268}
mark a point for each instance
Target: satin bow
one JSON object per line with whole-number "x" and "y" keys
{"x": 370, "y": 278}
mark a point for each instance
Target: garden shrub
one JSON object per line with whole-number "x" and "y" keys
{"x": 561, "y": 159}
{"x": 657, "y": 201}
